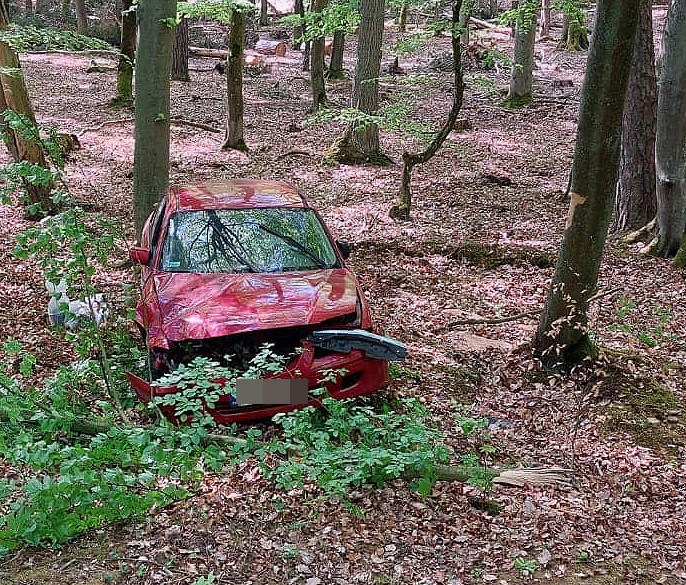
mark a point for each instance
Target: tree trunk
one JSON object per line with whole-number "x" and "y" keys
{"x": 465, "y": 13}
{"x": 41, "y": 6}
{"x": 81, "y": 17}
{"x": 635, "y": 203}
{"x": 153, "y": 70}
{"x": 521, "y": 77}
{"x": 124, "y": 95}
{"x": 402, "y": 17}
{"x": 574, "y": 34}
{"x": 401, "y": 210}
{"x": 264, "y": 17}
{"x": 670, "y": 144}
{"x": 180, "y": 52}
{"x": 562, "y": 330}
{"x": 28, "y": 7}
{"x": 546, "y": 16}
{"x": 234, "y": 84}
{"x": 317, "y": 64}
{"x": 298, "y": 29}
{"x": 360, "y": 143}
{"x": 15, "y": 97}
{"x": 336, "y": 70}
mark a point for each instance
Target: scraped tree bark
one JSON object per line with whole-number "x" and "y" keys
{"x": 670, "y": 145}
{"x": 401, "y": 210}
{"x": 124, "y": 95}
{"x": 562, "y": 330}
{"x": 360, "y": 143}
{"x": 317, "y": 82}
{"x": 153, "y": 70}
{"x": 180, "y": 52}
{"x": 521, "y": 76}
{"x": 234, "y": 83}
{"x": 635, "y": 202}
{"x": 14, "y": 95}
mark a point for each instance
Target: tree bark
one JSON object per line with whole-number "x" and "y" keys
{"x": 402, "y": 17}
{"x": 234, "y": 84}
{"x": 465, "y": 14}
{"x": 298, "y": 29}
{"x": 264, "y": 17}
{"x": 336, "y": 70}
{"x": 635, "y": 202}
{"x": 81, "y": 17}
{"x": 153, "y": 70}
{"x": 546, "y": 17}
{"x": 521, "y": 77}
{"x": 401, "y": 210}
{"x": 180, "y": 52}
{"x": 562, "y": 330}
{"x": 670, "y": 145}
{"x": 360, "y": 143}
{"x": 574, "y": 34}
{"x": 124, "y": 95}
{"x": 317, "y": 64}
{"x": 15, "y": 97}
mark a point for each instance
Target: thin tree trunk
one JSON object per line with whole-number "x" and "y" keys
{"x": 234, "y": 84}
{"x": 28, "y": 7}
{"x": 562, "y": 330}
{"x": 124, "y": 95}
{"x": 15, "y": 97}
{"x": 465, "y": 13}
{"x": 153, "y": 71}
{"x": 402, "y": 17}
{"x": 299, "y": 29}
{"x": 180, "y": 52}
{"x": 81, "y": 17}
{"x": 635, "y": 203}
{"x": 546, "y": 16}
{"x": 670, "y": 145}
{"x": 401, "y": 210}
{"x": 317, "y": 64}
{"x": 336, "y": 65}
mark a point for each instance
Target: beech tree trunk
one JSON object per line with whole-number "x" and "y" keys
{"x": 81, "y": 17}
{"x": 234, "y": 84}
{"x": 360, "y": 143}
{"x": 264, "y": 17}
{"x": 562, "y": 334}
{"x": 317, "y": 64}
{"x": 153, "y": 71}
{"x": 298, "y": 29}
{"x": 465, "y": 13}
{"x": 635, "y": 202}
{"x": 670, "y": 145}
{"x": 180, "y": 52}
{"x": 402, "y": 17}
{"x": 336, "y": 65}
{"x": 14, "y": 95}
{"x": 401, "y": 210}
{"x": 124, "y": 95}
{"x": 521, "y": 77}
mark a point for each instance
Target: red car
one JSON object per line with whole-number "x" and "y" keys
{"x": 227, "y": 267}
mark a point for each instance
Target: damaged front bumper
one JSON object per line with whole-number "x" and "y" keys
{"x": 362, "y": 356}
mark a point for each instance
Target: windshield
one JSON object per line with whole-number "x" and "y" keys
{"x": 246, "y": 240}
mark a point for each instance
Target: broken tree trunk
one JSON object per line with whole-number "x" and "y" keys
{"x": 401, "y": 210}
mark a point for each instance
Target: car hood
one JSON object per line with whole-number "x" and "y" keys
{"x": 200, "y": 306}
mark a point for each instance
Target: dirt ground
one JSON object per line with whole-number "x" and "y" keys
{"x": 488, "y": 218}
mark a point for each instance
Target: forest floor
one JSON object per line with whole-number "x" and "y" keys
{"x": 488, "y": 216}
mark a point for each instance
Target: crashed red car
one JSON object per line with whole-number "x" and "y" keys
{"x": 227, "y": 267}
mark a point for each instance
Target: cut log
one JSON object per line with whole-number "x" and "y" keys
{"x": 271, "y": 47}
{"x": 478, "y": 23}
{"x": 203, "y": 52}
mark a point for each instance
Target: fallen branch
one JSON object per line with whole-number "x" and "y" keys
{"x": 173, "y": 122}
{"x": 294, "y": 153}
{"x": 478, "y": 23}
{"x": 517, "y": 317}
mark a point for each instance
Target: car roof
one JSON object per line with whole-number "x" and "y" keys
{"x": 236, "y": 194}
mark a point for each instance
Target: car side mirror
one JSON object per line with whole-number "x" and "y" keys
{"x": 343, "y": 248}
{"x": 139, "y": 255}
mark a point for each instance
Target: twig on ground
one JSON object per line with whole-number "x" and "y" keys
{"x": 173, "y": 122}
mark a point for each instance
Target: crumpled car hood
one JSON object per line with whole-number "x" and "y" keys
{"x": 201, "y": 306}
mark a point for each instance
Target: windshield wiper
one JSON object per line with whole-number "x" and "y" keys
{"x": 295, "y": 244}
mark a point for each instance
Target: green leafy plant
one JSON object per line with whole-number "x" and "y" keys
{"x": 525, "y": 566}
{"x": 27, "y": 38}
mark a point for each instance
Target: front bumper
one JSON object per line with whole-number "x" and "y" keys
{"x": 363, "y": 375}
